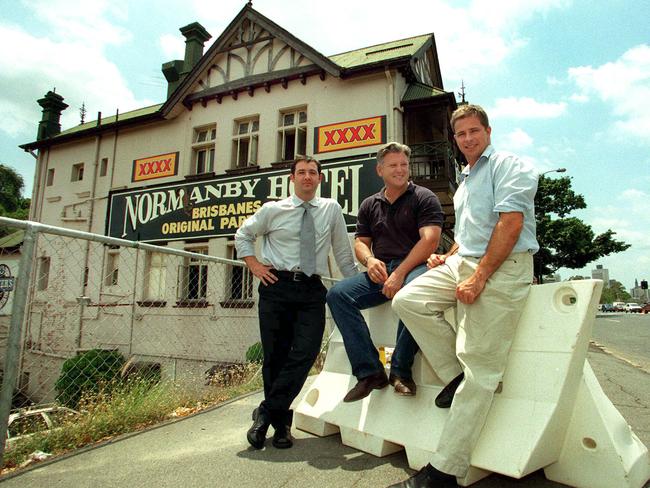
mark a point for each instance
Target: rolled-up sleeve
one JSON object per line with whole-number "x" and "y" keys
{"x": 515, "y": 185}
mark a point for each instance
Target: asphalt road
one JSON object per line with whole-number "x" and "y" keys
{"x": 626, "y": 336}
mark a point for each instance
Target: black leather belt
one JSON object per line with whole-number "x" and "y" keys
{"x": 294, "y": 276}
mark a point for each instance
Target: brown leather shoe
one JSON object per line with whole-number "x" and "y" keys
{"x": 403, "y": 386}
{"x": 365, "y": 385}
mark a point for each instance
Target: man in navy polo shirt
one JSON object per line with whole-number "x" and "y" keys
{"x": 397, "y": 230}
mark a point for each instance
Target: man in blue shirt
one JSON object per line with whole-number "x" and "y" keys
{"x": 486, "y": 275}
{"x": 291, "y": 294}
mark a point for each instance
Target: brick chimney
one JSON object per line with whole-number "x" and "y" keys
{"x": 174, "y": 71}
{"x": 49, "y": 125}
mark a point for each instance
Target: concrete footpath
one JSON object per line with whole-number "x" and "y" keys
{"x": 210, "y": 450}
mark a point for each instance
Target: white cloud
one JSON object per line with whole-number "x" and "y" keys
{"x": 172, "y": 46}
{"x": 579, "y": 98}
{"x": 478, "y": 36}
{"x": 72, "y": 20}
{"x": 70, "y": 58}
{"x": 516, "y": 141}
{"x": 526, "y": 108}
{"x": 624, "y": 85}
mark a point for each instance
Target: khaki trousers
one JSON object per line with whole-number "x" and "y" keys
{"x": 478, "y": 346}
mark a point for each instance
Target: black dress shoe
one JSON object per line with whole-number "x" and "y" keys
{"x": 428, "y": 477}
{"x": 446, "y": 396}
{"x": 256, "y": 435}
{"x": 403, "y": 386}
{"x": 365, "y": 385}
{"x": 282, "y": 437}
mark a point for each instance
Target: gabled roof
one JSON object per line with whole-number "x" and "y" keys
{"x": 381, "y": 52}
{"x": 420, "y": 91}
{"x": 113, "y": 118}
{"x": 399, "y": 54}
{"x": 221, "y": 44}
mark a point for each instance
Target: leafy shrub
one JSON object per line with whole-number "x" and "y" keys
{"x": 255, "y": 354}
{"x": 87, "y": 373}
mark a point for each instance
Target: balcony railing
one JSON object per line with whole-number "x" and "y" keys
{"x": 433, "y": 161}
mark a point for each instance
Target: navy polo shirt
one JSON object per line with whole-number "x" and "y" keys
{"x": 394, "y": 228}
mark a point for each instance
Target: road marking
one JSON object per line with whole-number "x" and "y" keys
{"x": 617, "y": 355}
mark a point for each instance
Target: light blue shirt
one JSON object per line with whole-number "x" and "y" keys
{"x": 278, "y": 223}
{"x": 498, "y": 182}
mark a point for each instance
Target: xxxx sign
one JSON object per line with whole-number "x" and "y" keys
{"x": 155, "y": 167}
{"x": 351, "y": 134}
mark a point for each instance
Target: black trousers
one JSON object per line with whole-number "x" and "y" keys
{"x": 292, "y": 321}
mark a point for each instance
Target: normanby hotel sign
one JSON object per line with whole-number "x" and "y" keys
{"x": 217, "y": 207}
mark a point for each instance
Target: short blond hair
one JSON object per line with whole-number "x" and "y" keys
{"x": 468, "y": 111}
{"x": 393, "y": 147}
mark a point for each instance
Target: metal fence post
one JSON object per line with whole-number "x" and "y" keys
{"x": 13, "y": 337}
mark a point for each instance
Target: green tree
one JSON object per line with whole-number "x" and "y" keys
{"x": 566, "y": 242}
{"x": 12, "y": 203}
{"x": 615, "y": 292}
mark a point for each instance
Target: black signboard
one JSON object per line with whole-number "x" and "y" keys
{"x": 217, "y": 207}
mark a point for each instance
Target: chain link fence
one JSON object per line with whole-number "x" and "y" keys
{"x": 98, "y": 309}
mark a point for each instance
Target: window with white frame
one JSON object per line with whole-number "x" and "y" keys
{"x": 77, "y": 172}
{"x": 203, "y": 149}
{"x": 292, "y": 134}
{"x": 111, "y": 270}
{"x": 155, "y": 276}
{"x": 244, "y": 142}
{"x": 193, "y": 276}
{"x": 240, "y": 284}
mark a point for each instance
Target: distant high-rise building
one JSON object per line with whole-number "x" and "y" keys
{"x": 600, "y": 273}
{"x": 639, "y": 293}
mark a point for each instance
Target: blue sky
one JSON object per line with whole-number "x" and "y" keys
{"x": 566, "y": 83}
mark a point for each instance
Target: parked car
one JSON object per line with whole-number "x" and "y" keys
{"x": 606, "y": 307}
{"x": 645, "y": 308}
{"x": 619, "y": 306}
{"x": 632, "y": 308}
{"x": 26, "y": 422}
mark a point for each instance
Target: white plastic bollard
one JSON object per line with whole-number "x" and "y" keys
{"x": 550, "y": 412}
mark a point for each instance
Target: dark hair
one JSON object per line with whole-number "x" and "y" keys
{"x": 468, "y": 111}
{"x": 393, "y": 147}
{"x": 306, "y": 159}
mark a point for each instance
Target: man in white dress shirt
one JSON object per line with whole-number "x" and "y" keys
{"x": 291, "y": 296}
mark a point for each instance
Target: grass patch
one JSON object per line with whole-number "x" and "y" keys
{"x": 131, "y": 406}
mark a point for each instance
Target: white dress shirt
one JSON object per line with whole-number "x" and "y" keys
{"x": 278, "y": 223}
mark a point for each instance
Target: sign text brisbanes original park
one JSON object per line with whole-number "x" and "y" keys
{"x": 217, "y": 207}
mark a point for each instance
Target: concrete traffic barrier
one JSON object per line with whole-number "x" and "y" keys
{"x": 549, "y": 412}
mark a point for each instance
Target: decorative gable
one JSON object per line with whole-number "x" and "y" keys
{"x": 251, "y": 51}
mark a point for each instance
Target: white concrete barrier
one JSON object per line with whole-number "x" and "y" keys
{"x": 549, "y": 413}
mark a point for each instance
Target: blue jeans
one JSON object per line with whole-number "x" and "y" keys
{"x": 345, "y": 299}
